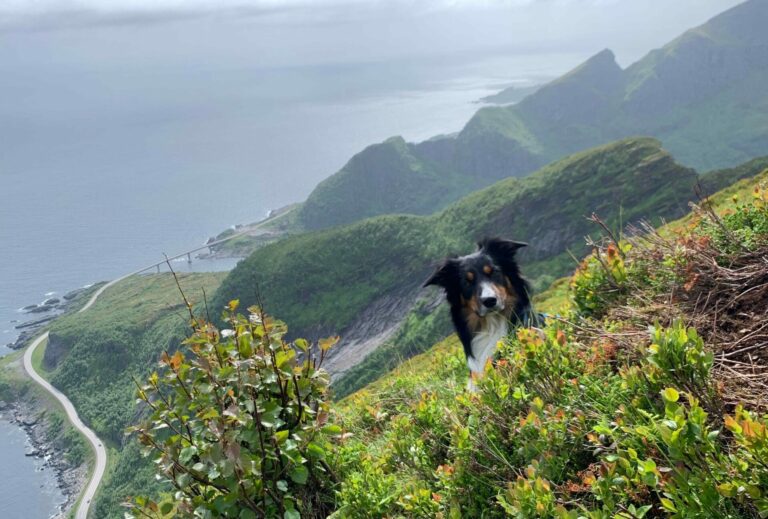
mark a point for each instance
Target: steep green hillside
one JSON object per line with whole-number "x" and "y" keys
{"x": 616, "y": 409}
{"x": 703, "y": 95}
{"x": 345, "y": 279}
{"x": 402, "y": 180}
{"x": 93, "y": 356}
{"x": 644, "y": 396}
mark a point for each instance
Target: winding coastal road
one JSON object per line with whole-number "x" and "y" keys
{"x": 96, "y": 443}
{"x": 98, "y": 446}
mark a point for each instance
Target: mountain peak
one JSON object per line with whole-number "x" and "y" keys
{"x": 584, "y": 94}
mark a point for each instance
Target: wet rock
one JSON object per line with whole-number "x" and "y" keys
{"x": 28, "y": 421}
{"x": 51, "y": 301}
{"x": 38, "y": 309}
{"x": 72, "y": 294}
{"x": 33, "y": 324}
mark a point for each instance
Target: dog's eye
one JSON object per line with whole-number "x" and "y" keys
{"x": 488, "y": 269}
{"x": 470, "y": 276}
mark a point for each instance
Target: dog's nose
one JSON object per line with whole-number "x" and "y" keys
{"x": 489, "y": 302}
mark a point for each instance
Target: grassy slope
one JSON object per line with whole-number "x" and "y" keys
{"x": 410, "y": 448}
{"x": 96, "y": 354}
{"x": 322, "y": 281}
{"x": 423, "y": 326}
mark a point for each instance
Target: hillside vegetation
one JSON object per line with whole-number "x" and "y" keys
{"x": 643, "y": 396}
{"x": 703, "y": 95}
{"x": 364, "y": 279}
{"x": 135, "y": 321}
{"x": 619, "y": 408}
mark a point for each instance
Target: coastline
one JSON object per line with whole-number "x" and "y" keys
{"x": 37, "y": 415}
{"x": 69, "y": 479}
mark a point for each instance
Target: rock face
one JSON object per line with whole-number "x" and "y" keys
{"x": 55, "y": 351}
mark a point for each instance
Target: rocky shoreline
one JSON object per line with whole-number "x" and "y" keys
{"x": 53, "y": 306}
{"x": 69, "y": 479}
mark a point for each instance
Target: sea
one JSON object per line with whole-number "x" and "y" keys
{"x": 101, "y": 186}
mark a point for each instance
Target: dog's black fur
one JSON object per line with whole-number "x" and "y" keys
{"x": 469, "y": 280}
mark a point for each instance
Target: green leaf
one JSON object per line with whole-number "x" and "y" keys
{"x": 331, "y": 429}
{"x": 315, "y": 450}
{"x": 299, "y": 474}
{"x": 301, "y": 344}
{"x": 668, "y": 505}
{"x": 291, "y": 514}
{"x": 281, "y": 436}
{"x": 670, "y": 394}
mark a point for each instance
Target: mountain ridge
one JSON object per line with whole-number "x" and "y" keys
{"x": 700, "y": 95}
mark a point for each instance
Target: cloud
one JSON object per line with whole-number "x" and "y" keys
{"x": 64, "y": 14}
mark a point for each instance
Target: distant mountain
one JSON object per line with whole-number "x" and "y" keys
{"x": 703, "y": 95}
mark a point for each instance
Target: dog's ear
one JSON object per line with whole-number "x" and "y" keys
{"x": 499, "y": 249}
{"x": 444, "y": 274}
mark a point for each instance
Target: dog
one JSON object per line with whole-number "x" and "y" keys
{"x": 487, "y": 297}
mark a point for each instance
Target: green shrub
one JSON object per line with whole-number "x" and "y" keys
{"x": 599, "y": 280}
{"x": 743, "y": 228}
{"x": 238, "y": 424}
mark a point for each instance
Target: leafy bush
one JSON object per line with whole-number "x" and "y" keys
{"x": 599, "y": 281}
{"x": 238, "y": 423}
{"x": 743, "y": 228}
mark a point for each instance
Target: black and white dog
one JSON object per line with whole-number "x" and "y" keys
{"x": 488, "y": 297}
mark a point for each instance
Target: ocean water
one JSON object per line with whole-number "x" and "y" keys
{"x": 114, "y": 176}
{"x": 29, "y": 489}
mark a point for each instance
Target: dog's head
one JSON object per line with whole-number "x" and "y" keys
{"x": 487, "y": 280}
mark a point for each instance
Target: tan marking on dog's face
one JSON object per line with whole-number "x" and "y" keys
{"x": 488, "y": 270}
{"x": 509, "y": 296}
{"x": 470, "y": 276}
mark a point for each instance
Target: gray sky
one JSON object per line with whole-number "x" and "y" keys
{"x": 297, "y": 32}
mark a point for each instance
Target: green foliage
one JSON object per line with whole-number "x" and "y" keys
{"x": 92, "y": 356}
{"x": 239, "y": 423}
{"x": 679, "y": 353}
{"x": 600, "y": 280}
{"x": 557, "y": 429}
{"x": 743, "y": 228}
{"x": 568, "y": 422}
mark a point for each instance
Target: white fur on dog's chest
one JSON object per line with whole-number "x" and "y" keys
{"x": 495, "y": 328}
